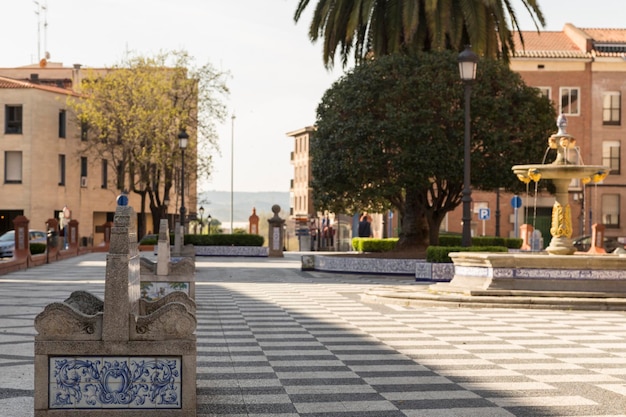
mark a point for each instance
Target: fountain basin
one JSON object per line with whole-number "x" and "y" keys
{"x": 480, "y": 273}
{"x": 561, "y": 172}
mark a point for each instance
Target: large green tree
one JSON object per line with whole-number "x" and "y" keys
{"x": 131, "y": 115}
{"x": 372, "y": 28}
{"x": 390, "y": 134}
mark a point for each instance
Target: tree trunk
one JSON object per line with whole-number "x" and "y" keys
{"x": 413, "y": 224}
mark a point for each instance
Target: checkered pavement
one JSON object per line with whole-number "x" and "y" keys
{"x": 276, "y": 341}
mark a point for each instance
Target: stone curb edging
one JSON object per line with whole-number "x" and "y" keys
{"x": 422, "y": 270}
{"x": 262, "y": 251}
{"x": 399, "y": 296}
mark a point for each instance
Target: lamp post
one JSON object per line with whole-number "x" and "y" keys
{"x": 201, "y": 210}
{"x": 468, "y": 61}
{"x": 232, "y": 164}
{"x": 208, "y": 219}
{"x": 183, "y": 139}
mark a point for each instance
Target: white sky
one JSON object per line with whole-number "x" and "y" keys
{"x": 277, "y": 75}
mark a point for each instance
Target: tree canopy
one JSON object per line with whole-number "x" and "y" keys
{"x": 372, "y": 28}
{"x": 390, "y": 134}
{"x": 131, "y": 115}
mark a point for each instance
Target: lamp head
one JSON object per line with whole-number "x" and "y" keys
{"x": 183, "y": 139}
{"x": 468, "y": 62}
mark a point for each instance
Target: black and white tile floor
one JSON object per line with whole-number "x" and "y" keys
{"x": 276, "y": 341}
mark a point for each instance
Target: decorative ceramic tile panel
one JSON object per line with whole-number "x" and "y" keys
{"x": 115, "y": 382}
{"x": 154, "y": 290}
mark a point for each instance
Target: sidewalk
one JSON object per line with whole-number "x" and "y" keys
{"x": 277, "y": 341}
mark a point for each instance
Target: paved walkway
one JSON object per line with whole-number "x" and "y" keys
{"x": 277, "y": 341}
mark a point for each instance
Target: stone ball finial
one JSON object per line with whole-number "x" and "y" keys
{"x": 122, "y": 200}
{"x": 276, "y": 209}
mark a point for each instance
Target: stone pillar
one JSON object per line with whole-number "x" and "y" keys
{"x": 73, "y": 234}
{"x": 107, "y": 233}
{"x": 121, "y": 285}
{"x": 22, "y": 245}
{"x": 597, "y": 239}
{"x": 253, "y": 223}
{"x": 52, "y": 242}
{"x": 526, "y": 231}
{"x": 276, "y": 234}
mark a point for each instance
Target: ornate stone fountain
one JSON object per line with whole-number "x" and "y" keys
{"x": 562, "y": 171}
{"x": 544, "y": 276}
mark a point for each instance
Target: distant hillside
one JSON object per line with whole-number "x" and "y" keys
{"x": 217, "y": 204}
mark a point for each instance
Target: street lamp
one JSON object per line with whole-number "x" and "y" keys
{"x": 468, "y": 61}
{"x": 208, "y": 219}
{"x": 201, "y": 210}
{"x": 183, "y": 139}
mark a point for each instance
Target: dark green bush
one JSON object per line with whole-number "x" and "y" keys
{"x": 455, "y": 240}
{"x": 440, "y": 254}
{"x": 237, "y": 239}
{"x": 37, "y": 248}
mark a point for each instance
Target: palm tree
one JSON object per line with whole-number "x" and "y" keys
{"x": 379, "y": 27}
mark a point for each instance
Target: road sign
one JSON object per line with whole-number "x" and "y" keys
{"x": 516, "y": 201}
{"x": 484, "y": 214}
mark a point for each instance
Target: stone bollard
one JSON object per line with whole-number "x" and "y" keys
{"x": 276, "y": 233}
{"x": 597, "y": 239}
{"x": 121, "y": 356}
{"x": 165, "y": 275}
{"x": 253, "y": 220}
{"x": 526, "y": 231}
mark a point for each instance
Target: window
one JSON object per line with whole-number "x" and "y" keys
{"x": 61, "y": 169}
{"x": 13, "y": 167}
{"x": 62, "y": 123}
{"x": 569, "y": 101}
{"x": 611, "y": 155}
{"x": 611, "y": 108}
{"x": 545, "y": 92}
{"x": 13, "y": 119}
{"x": 84, "y": 131}
{"x": 610, "y": 210}
{"x": 83, "y": 166}
{"x": 105, "y": 174}
{"x": 120, "y": 176}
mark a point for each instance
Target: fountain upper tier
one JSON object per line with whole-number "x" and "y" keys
{"x": 563, "y": 167}
{"x": 562, "y": 171}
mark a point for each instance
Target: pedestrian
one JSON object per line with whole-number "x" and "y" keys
{"x": 365, "y": 227}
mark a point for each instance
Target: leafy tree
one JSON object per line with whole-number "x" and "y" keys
{"x": 376, "y": 28}
{"x": 131, "y": 115}
{"x": 390, "y": 134}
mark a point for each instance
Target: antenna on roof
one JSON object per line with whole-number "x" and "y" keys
{"x": 42, "y": 9}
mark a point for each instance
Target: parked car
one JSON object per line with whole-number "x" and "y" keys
{"x": 7, "y": 241}
{"x": 583, "y": 243}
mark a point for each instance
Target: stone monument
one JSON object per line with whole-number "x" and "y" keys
{"x": 121, "y": 356}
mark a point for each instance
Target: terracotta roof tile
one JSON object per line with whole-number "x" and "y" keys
{"x": 607, "y": 35}
{"x": 570, "y": 42}
{"x": 547, "y": 45}
{"x": 6, "y": 82}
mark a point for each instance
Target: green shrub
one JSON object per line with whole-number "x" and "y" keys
{"x": 455, "y": 240}
{"x": 440, "y": 254}
{"x": 37, "y": 248}
{"x": 368, "y": 244}
{"x": 237, "y": 239}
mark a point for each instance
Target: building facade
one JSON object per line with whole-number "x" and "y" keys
{"x": 583, "y": 72}
{"x": 45, "y": 174}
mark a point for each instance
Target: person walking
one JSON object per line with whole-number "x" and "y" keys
{"x": 365, "y": 227}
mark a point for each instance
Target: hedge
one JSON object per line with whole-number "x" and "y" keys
{"x": 440, "y": 254}
{"x": 368, "y": 244}
{"x": 455, "y": 240}
{"x": 239, "y": 239}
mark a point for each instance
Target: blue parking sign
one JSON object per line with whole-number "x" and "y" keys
{"x": 484, "y": 213}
